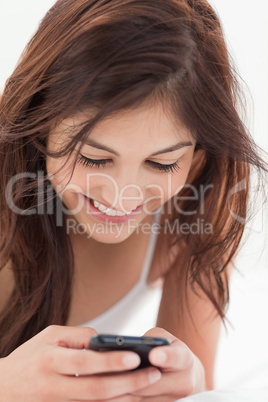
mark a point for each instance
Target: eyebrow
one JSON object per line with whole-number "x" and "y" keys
{"x": 175, "y": 147}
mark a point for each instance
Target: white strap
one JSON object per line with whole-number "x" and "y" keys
{"x": 151, "y": 246}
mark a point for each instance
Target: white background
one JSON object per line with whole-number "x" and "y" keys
{"x": 243, "y": 351}
{"x": 242, "y": 359}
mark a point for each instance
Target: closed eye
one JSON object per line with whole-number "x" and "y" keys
{"x": 174, "y": 167}
{"x": 104, "y": 162}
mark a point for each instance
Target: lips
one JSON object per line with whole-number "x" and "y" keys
{"x": 101, "y": 216}
{"x": 107, "y": 206}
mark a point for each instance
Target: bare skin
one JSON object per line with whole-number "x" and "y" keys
{"x": 110, "y": 255}
{"x": 50, "y": 360}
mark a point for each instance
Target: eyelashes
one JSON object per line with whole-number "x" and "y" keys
{"x": 104, "y": 162}
{"x": 92, "y": 162}
{"x": 165, "y": 168}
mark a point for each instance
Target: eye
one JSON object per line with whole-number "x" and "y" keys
{"x": 103, "y": 162}
{"x": 165, "y": 168}
{"x": 92, "y": 162}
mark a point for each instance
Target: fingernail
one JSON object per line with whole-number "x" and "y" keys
{"x": 154, "y": 376}
{"x": 131, "y": 360}
{"x": 160, "y": 357}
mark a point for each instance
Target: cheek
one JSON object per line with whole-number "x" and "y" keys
{"x": 59, "y": 172}
{"x": 173, "y": 185}
{"x": 86, "y": 180}
{"x": 176, "y": 181}
{"x": 79, "y": 178}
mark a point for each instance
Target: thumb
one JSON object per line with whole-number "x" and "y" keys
{"x": 159, "y": 332}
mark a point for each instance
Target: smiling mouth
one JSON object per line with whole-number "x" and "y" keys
{"x": 102, "y": 210}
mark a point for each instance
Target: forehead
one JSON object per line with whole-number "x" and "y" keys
{"x": 141, "y": 130}
{"x": 145, "y": 122}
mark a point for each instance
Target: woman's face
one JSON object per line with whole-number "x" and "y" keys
{"x": 133, "y": 162}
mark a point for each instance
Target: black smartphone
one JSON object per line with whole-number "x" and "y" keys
{"x": 138, "y": 344}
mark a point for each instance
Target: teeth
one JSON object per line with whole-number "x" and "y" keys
{"x": 118, "y": 213}
{"x": 102, "y": 208}
{"x": 109, "y": 211}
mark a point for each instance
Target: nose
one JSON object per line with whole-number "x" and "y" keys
{"x": 125, "y": 194}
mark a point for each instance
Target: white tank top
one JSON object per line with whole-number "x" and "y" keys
{"x": 137, "y": 311}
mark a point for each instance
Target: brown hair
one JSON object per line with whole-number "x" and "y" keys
{"x": 110, "y": 55}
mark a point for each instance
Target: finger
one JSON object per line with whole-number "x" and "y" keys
{"x": 123, "y": 398}
{"x": 175, "y": 357}
{"x": 133, "y": 398}
{"x": 160, "y": 332}
{"x": 101, "y": 387}
{"x": 88, "y": 362}
{"x": 175, "y": 385}
{"x": 68, "y": 337}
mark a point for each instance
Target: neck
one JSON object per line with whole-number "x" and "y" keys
{"x": 87, "y": 249}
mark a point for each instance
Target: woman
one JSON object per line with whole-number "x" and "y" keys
{"x": 120, "y": 115}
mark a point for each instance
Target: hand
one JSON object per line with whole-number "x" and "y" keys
{"x": 182, "y": 372}
{"x": 43, "y": 370}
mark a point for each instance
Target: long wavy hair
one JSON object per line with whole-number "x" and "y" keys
{"x": 108, "y": 56}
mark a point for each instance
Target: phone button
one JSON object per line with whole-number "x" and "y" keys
{"x": 120, "y": 340}
{"x": 149, "y": 341}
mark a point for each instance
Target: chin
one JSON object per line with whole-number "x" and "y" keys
{"x": 110, "y": 238}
